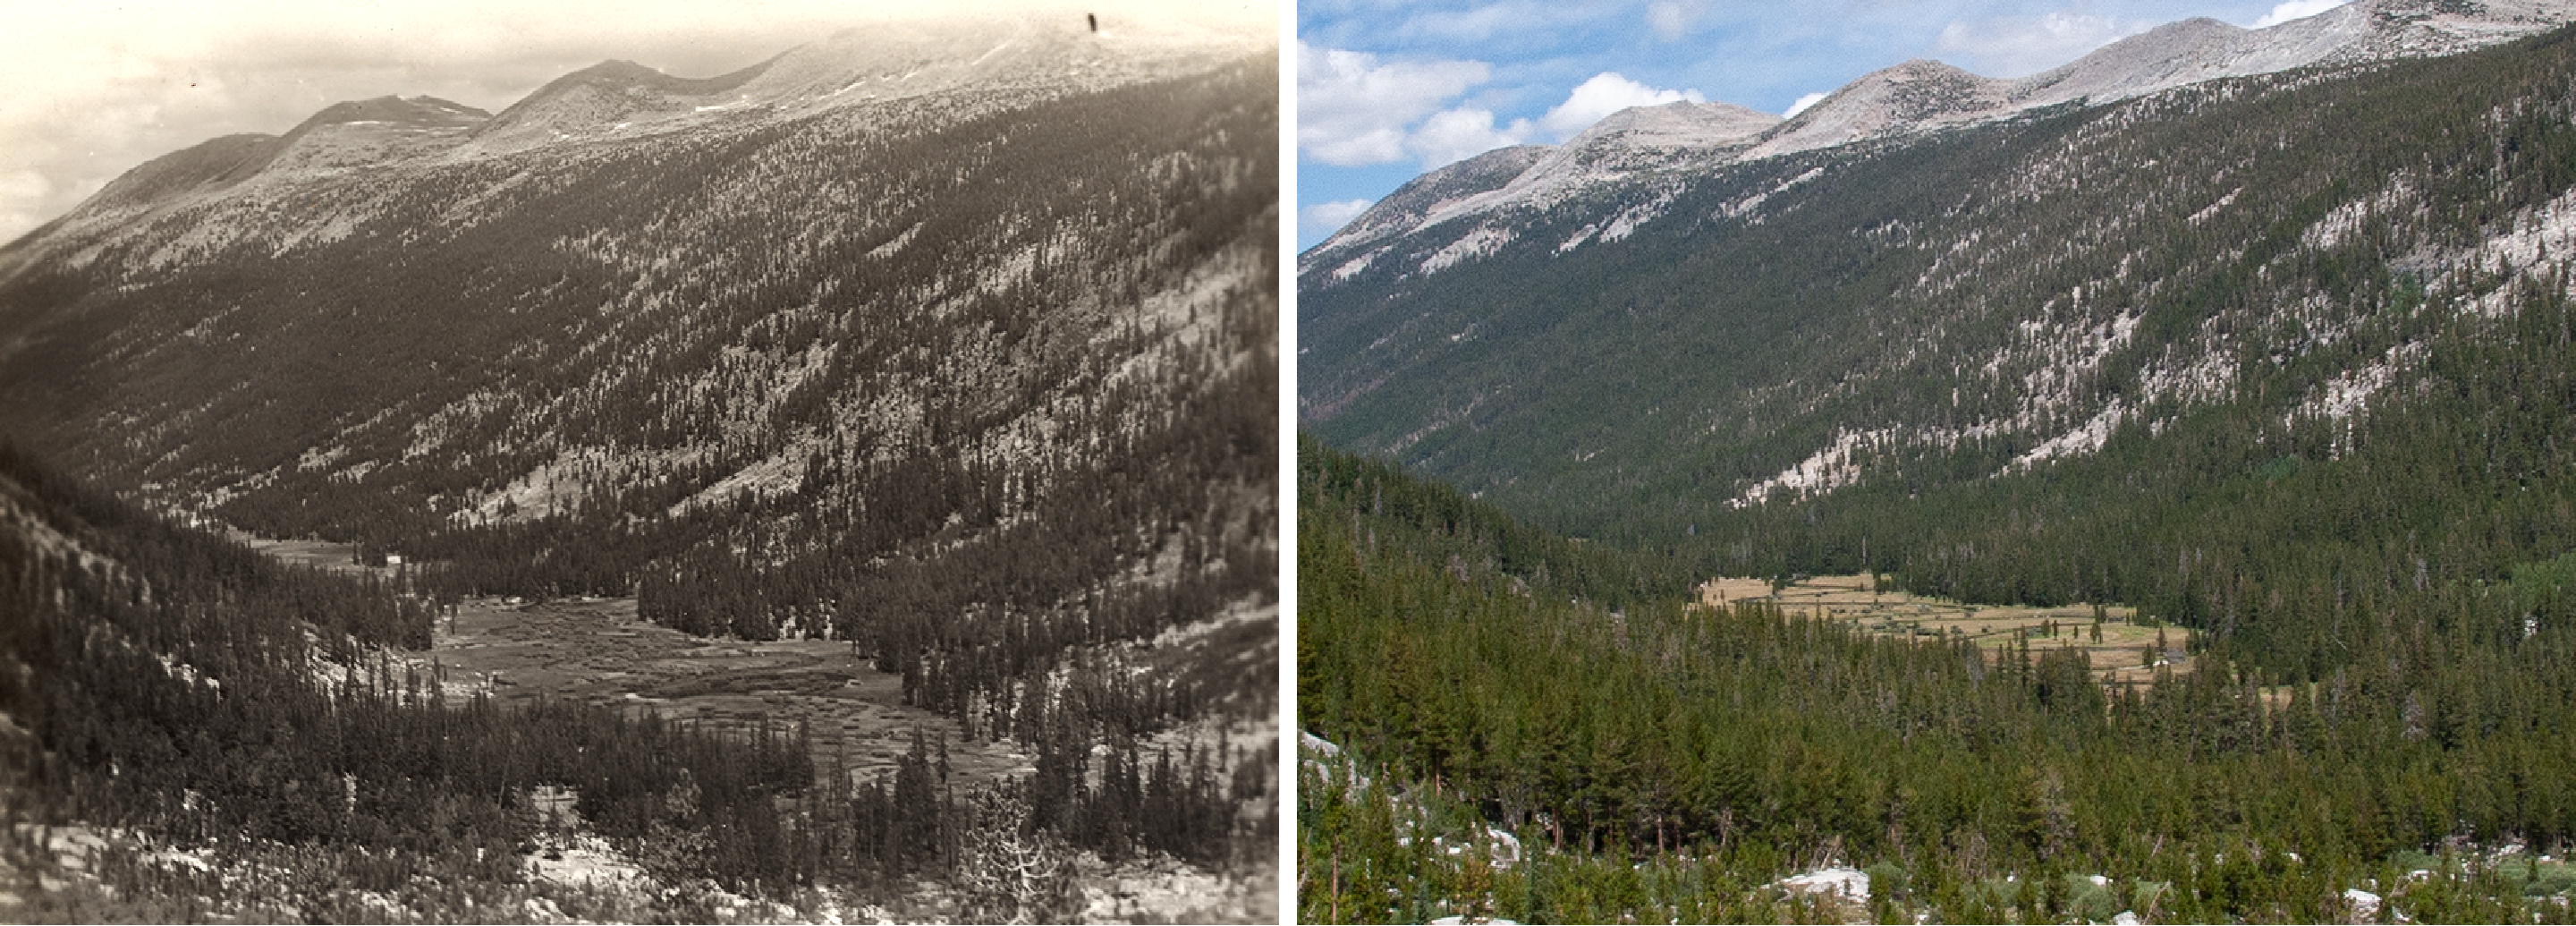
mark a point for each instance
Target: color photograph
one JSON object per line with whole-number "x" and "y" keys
{"x": 1935, "y": 461}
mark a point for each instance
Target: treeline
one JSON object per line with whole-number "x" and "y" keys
{"x": 1662, "y": 732}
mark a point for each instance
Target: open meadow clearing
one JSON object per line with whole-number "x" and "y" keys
{"x": 596, "y": 650}
{"x": 2120, "y": 645}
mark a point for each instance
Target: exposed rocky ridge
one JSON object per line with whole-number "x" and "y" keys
{"x": 1406, "y": 208}
{"x": 1921, "y": 96}
{"x": 1905, "y": 98}
{"x": 1671, "y": 136}
{"x": 402, "y": 298}
{"x": 1682, "y": 345}
{"x": 877, "y": 72}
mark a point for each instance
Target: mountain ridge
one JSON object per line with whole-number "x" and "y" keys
{"x": 861, "y": 72}
{"x": 1921, "y": 96}
{"x": 2008, "y": 302}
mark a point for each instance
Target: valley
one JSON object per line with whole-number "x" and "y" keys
{"x": 2247, "y": 349}
{"x": 843, "y": 486}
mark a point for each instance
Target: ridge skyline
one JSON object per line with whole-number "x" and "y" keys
{"x": 103, "y": 90}
{"x": 1923, "y": 94}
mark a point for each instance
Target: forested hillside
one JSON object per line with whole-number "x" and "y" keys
{"x": 202, "y": 711}
{"x": 957, "y": 343}
{"x": 1661, "y": 762}
{"x": 2259, "y": 355}
{"x": 783, "y": 365}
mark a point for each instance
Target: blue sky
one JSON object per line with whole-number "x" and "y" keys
{"x": 1388, "y": 88}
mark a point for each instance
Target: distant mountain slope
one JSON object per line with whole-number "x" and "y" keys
{"x": 892, "y": 301}
{"x": 1917, "y": 97}
{"x": 2084, "y": 355}
{"x": 1419, "y": 198}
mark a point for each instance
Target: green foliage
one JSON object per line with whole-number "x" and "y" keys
{"x": 1765, "y": 745}
{"x": 1909, "y": 295}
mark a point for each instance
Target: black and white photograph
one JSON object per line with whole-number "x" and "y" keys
{"x": 654, "y": 462}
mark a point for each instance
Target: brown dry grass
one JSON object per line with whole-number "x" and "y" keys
{"x": 2117, "y": 656}
{"x": 598, "y": 651}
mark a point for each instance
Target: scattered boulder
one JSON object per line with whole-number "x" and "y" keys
{"x": 1850, "y": 884}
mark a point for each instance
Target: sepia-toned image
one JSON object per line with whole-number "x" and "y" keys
{"x": 540, "y": 462}
{"x": 1947, "y": 461}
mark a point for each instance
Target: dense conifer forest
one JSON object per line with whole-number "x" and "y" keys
{"x": 2242, "y": 354}
{"x": 2284, "y": 360}
{"x": 981, "y": 382}
{"x": 1053, "y": 356}
{"x": 1659, "y": 761}
{"x": 202, "y": 700}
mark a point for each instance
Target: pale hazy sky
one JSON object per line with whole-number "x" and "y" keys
{"x": 95, "y": 89}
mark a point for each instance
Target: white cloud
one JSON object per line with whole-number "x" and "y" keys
{"x": 1352, "y": 109}
{"x": 1321, "y": 219}
{"x": 2019, "y": 46}
{"x": 1672, "y": 19}
{"x": 1606, "y": 93}
{"x": 1454, "y": 135}
{"x": 1802, "y": 103}
{"x": 2295, "y": 9}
